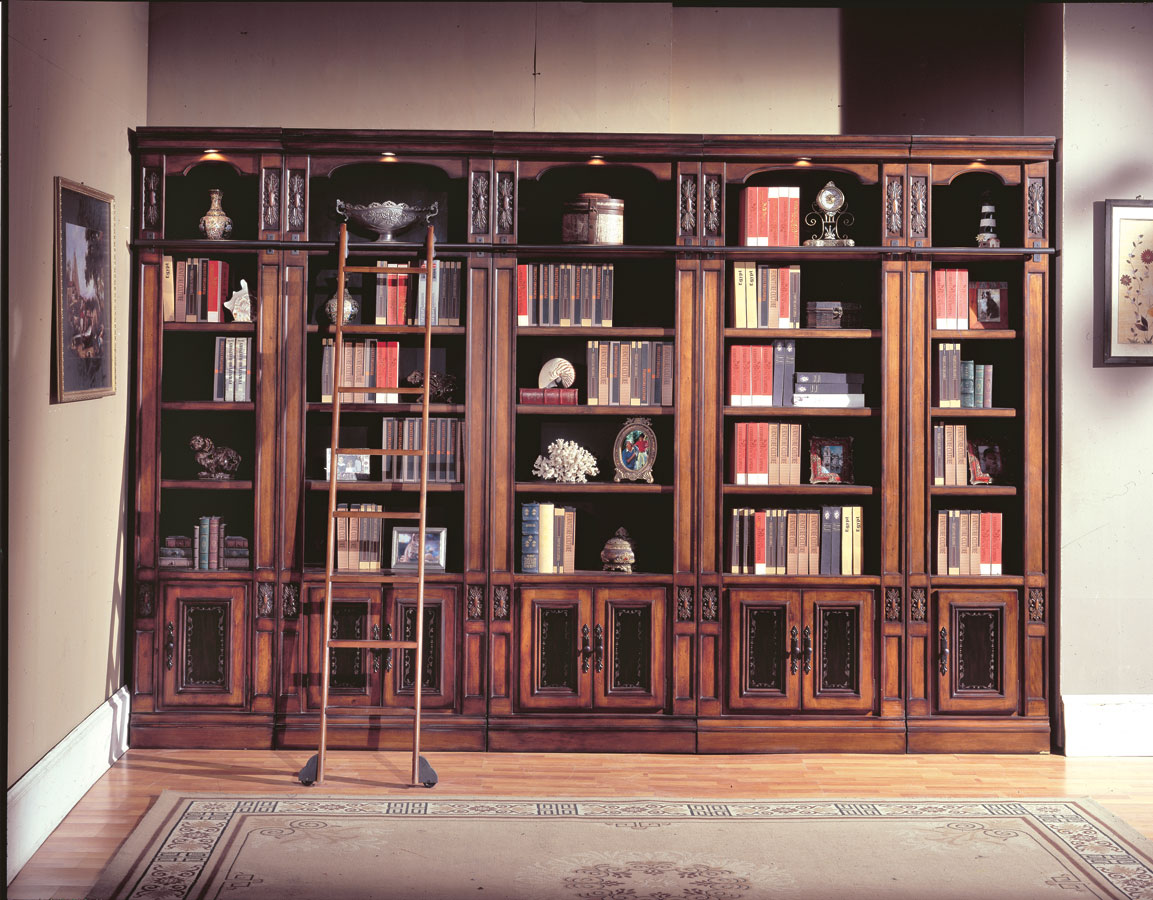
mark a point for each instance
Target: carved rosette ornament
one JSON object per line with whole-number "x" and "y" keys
{"x": 291, "y": 601}
{"x": 152, "y": 189}
{"x": 479, "y": 215}
{"x": 1036, "y": 207}
{"x": 918, "y": 605}
{"x": 1036, "y": 605}
{"x": 264, "y": 600}
{"x": 709, "y": 606}
{"x": 688, "y": 212}
{"x": 270, "y": 215}
{"x": 500, "y": 603}
{"x": 712, "y": 206}
{"x": 918, "y": 207}
{"x": 475, "y": 601}
{"x": 506, "y": 202}
{"x": 893, "y": 605}
{"x": 893, "y": 207}
{"x": 296, "y": 185}
{"x": 145, "y": 596}
{"x": 685, "y": 604}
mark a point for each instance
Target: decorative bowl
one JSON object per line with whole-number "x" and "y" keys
{"x": 387, "y": 218}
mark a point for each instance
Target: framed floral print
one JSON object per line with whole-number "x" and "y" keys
{"x": 85, "y": 301}
{"x": 1128, "y": 325}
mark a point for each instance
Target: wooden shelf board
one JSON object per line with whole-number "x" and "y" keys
{"x": 370, "y": 330}
{"x": 317, "y": 573}
{"x": 593, "y": 331}
{"x": 941, "y": 581}
{"x": 433, "y": 408}
{"x": 213, "y": 327}
{"x": 997, "y": 412}
{"x": 804, "y": 580}
{"x": 387, "y": 487}
{"x": 839, "y": 334}
{"x": 856, "y": 490}
{"x": 973, "y": 490}
{"x": 206, "y": 406}
{"x": 964, "y": 334}
{"x": 804, "y": 411}
{"x": 580, "y": 409}
{"x": 166, "y": 573}
{"x": 592, "y": 487}
{"x": 592, "y": 576}
{"x": 198, "y": 484}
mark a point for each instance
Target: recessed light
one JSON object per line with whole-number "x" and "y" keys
{"x": 596, "y": 160}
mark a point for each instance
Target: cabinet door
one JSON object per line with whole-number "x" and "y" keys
{"x": 555, "y": 627}
{"x": 976, "y": 651}
{"x": 354, "y": 675}
{"x": 837, "y": 651}
{"x": 438, "y": 673}
{"x": 203, "y": 648}
{"x": 629, "y": 644}
{"x": 764, "y": 649}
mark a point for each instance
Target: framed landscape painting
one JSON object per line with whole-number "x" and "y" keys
{"x": 85, "y": 334}
{"x": 1128, "y": 326}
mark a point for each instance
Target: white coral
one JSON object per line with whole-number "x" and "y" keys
{"x": 567, "y": 461}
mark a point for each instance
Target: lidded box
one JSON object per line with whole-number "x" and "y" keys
{"x": 593, "y": 219}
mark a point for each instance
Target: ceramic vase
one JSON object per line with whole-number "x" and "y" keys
{"x": 215, "y": 224}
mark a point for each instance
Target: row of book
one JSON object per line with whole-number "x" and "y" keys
{"x": 193, "y": 290}
{"x": 630, "y": 373}
{"x": 553, "y": 396}
{"x": 547, "y": 538}
{"x": 767, "y": 453}
{"x": 825, "y": 541}
{"x": 564, "y": 294}
{"x": 766, "y": 375}
{"x": 766, "y": 296}
{"x": 770, "y": 217}
{"x": 968, "y": 542}
{"x": 209, "y": 548}
{"x": 446, "y": 449}
{"x": 367, "y": 363}
{"x": 359, "y": 540}
{"x": 961, "y": 305}
{"x": 232, "y": 370}
{"x": 950, "y": 455}
{"x": 962, "y": 383}
{"x": 400, "y": 298}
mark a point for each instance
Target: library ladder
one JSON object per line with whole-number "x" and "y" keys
{"x": 422, "y": 772}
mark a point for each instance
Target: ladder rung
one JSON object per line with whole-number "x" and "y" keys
{"x": 386, "y": 270}
{"x": 376, "y": 451}
{"x": 379, "y": 576}
{"x": 340, "y": 644}
{"x": 358, "y": 389}
{"x": 374, "y": 514}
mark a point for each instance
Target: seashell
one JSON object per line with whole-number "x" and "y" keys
{"x": 557, "y": 372}
{"x": 240, "y": 304}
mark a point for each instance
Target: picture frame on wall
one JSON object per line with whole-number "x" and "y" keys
{"x": 85, "y": 345}
{"x": 1128, "y": 307}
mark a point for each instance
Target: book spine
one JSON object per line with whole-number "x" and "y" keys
{"x": 547, "y": 537}
{"x": 967, "y": 387}
{"x": 846, "y": 540}
{"x": 204, "y": 542}
{"x": 739, "y": 316}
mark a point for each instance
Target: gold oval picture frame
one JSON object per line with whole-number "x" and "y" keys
{"x": 635, "y": 451}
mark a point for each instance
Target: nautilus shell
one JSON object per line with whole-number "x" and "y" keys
{"x": 557, "y": 372}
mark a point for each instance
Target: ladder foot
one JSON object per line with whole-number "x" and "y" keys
{"x": 426, "y": 774}
{"x": 307, "y": 775}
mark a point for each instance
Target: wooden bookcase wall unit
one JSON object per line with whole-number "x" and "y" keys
{"x": 682, "y": 654}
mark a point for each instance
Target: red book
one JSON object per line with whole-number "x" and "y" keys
{"x": 759, "y": 464}
{"x": 766, "y": 352}
{"x": 996, "y": 542}
{"x": 794, "y": 217}
{"x": 756, "y": 376}
{"x": 951, "y": 300}
{"x": 774, "y": 230}
{"x": 961, "y": 300}
{"x": 759, "y": 543}
{"x": 740, "y": 453}
{"x": 522, "y": 294}
{"x": 213, "y": 292}
{"x": 939, "y": 319}
{"x": 532, "y": 395}
{"x": 393, "y": 369}
{"x": 763, "y": 217}
{"x": 986, "y": 543}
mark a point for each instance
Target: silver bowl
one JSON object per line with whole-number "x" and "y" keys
{"x": 387, "y": 218}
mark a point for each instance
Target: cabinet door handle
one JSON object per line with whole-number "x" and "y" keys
{"x": 388, "y": 652}
{"x": 376, "y": 653}
{"x": 600, "y": 648}
{"x": 794, "y": 651}
{"x": 586, "y": 648}
{"x": 169, "y": 645}
{"x": 808, "y": 652}
{"x": 944, "y": 639}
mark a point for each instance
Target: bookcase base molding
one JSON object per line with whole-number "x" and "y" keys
{"x": 819, "y": 407}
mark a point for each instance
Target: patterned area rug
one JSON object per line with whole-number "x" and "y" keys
{"x": 301, "y": 846}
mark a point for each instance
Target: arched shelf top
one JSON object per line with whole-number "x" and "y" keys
{"x": 438, "y": 169}
{"x": 947, "y": 173}
{"x": 657, "y": 171}
{"x": 865, "y": 173}
{"x": 242, "y": 165}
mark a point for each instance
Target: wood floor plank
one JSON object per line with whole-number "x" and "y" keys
{"x": 71, "y": 860}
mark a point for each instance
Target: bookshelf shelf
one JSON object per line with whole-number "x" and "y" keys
{"x": 385, "y": 487}
{"x": 592, "y": 487}
{"x": 580, "y": 409}
{"x": 942, "y": 412}
{"x": 836, "y": 334}
{"x": 593, "y": 332}
{"x": 206, "y": 406}
{"x": 800, "y": 490}
{"x": 1003, "y": 334}
{"x": 211, "y": 327}
{"x": 205, "y": 485}
{"x": 801, "y": 412}
{"x": 973, "y": 490}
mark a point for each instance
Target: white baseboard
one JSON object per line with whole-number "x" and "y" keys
{"x": 1108, "y": 724}
{"x": 39, "y": 801}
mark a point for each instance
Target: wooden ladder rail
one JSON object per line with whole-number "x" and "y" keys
{"x": 422, "y": 772}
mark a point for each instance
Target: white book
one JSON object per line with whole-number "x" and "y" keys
{"x": 830, "y": 401}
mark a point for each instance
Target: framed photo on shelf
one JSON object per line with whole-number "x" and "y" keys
{"x": 830, "y": 460}
{"x": 349, "y": 466}
{"x": 85, "y": 357}
{"x": 985, "y": 463}
{"x": 404, "y": 548}
{"x": 988, "y": 305}
{"x": 635, "y": 451}
{"x": 1128, "y": 307}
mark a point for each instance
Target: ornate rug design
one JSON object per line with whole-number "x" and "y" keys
{"x": 308, "y": 847}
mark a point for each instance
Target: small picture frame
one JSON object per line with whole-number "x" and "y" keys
{"x": 635, "y": 451}
{"x": 349, "y": 466}
{"x": 1128, "y": 307}
{"x": 988, "y": 305}
{"x": 404, "y": 544}
{"x": 830, "y": 460}
{"x": 985, "y": 463}
{"x": 85, "y": 358}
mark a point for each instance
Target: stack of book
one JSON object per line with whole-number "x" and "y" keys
{"x": 762, "y": 374}
{"x": 770, "y": 217}
{"x": 839, "y": 390}
{"x": 950, "y": 455}
{"x": 400, "y": 298}
{"x": 359, "y": 541}
{"x": 368, "y": 363}
{"x": 951, "y": 299}
{"x": 564, "y": 294}
{"x": 547, "y": 538}
{"x": 193, "y": 290}
{"x": 553, "y": 396}
{"x": 232, "y": 370}
{"x": 828, "y": 541}
{"x": 968, "y": 542}
{"x": 209, "y": 548}
{"x": 767, "y": 453}
{"x": 630, "y": 373}
{"x": 962, "y": 383}
{"x": 766, "y": 296}
{"x": 446, "y": 444}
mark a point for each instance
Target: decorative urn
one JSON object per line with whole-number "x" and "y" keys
{"x": 351, "y": 307}
{"x": 215, "y": 224}
{"x": 618, "y": 554}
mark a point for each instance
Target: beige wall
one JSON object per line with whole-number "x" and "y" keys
{"x": 77, "y": 82}
{"x": 1106, "y": 413}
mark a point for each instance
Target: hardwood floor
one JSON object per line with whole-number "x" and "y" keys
{"x": 70, "y": 861}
